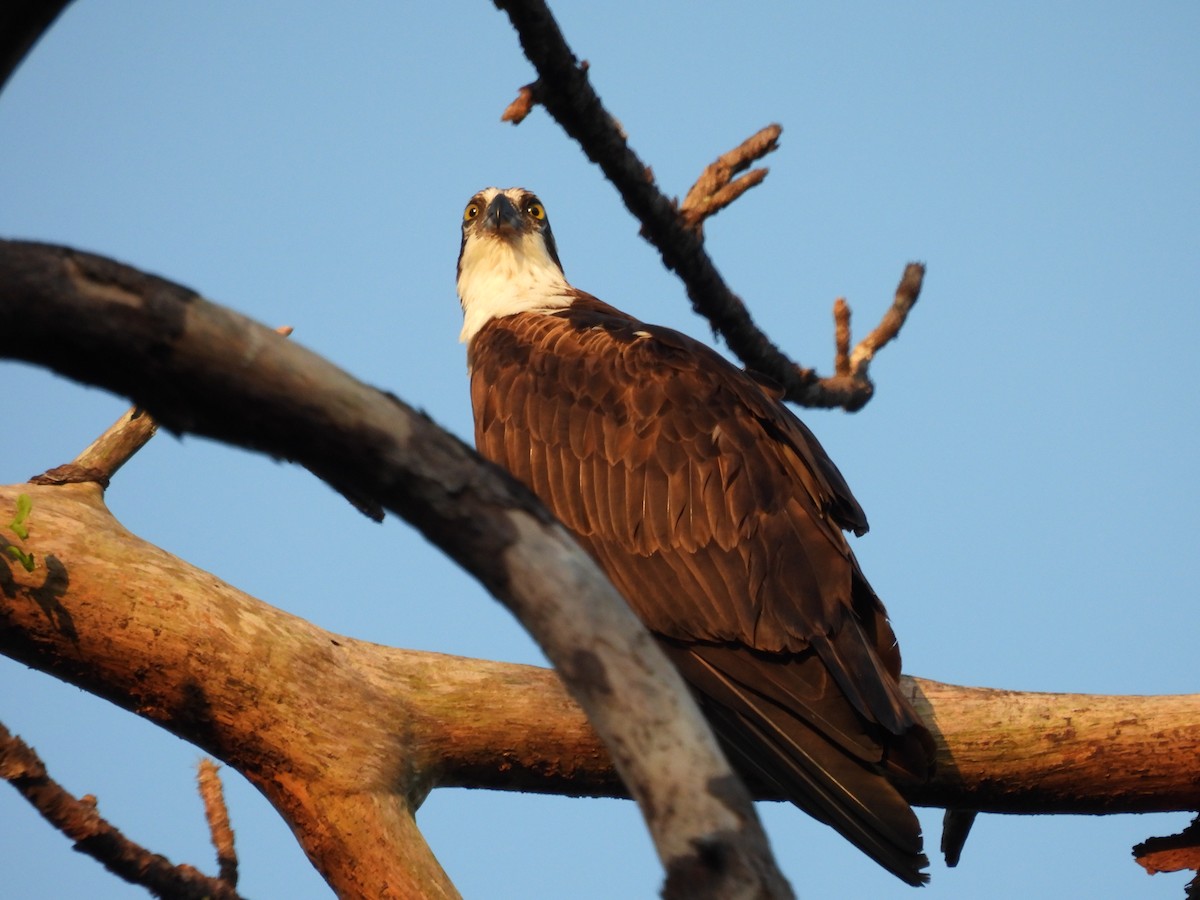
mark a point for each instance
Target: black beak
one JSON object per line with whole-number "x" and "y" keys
{"x": 501, "y": 215}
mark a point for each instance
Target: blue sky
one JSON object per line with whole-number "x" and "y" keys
{"x": 1028, "y": 462}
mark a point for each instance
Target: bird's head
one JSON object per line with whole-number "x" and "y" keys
{"x": 508, "y": 262}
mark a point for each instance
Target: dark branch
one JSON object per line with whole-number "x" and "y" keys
{"x": 200, "y": 368}
{"x": 1173, "y": 853}
{"x": 567, "y": 94}
{"x": 104, "y": 456}
{"x": 93, "y": 835}
{"x": 22, "y": 23}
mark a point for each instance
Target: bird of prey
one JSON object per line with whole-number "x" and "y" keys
{"x": 713, "y": 510}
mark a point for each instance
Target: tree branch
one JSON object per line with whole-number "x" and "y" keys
{"x": 237, "y": 677}
{"x": 216, "y": 813}
{"x": 1173, "y": 853}
{"x": 101, "y": 459}
{"x": 717, "y": 187}
{"x": 93, "y": 835}
{"x": 564, "y": 89}
{"x": 200, "y": 368}
{"x": 441, "y": 721}
{"x": 22, "y": 23}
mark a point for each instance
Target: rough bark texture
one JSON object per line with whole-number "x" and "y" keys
{"x": 78, "y": 819}
{"x": 200, "y": 368}
{"x": 564, "y": 89}
{"x": 346, "y": 738}
{"x": 116, "y": 615}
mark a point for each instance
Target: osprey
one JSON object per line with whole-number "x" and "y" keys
{"x": 713, "y": 510}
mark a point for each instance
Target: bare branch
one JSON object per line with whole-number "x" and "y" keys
{"x": 1173, "y": 853}
{"x": 219, "y": 373}
{"x": 716, "y": 187}
{"x": 841, "y": 337}
{"x": 893, "y": 320}
{"x": 22, "y": 23}
{"x": 104, "y": 456}
{"x": 216, "y": 813}
{"x": 568, "y": 96}
{"x": 447, "y": 721}
{"x": 956, "y": 828}
{"x": 101, "y": 459}
{"x": 79, "y": 820}
{"x": 200, "y": 368}
{"x": 204, "y": 368}
{"x": 527, "y": 98}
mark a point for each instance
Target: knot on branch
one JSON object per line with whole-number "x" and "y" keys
{"x": 72, "y": 473}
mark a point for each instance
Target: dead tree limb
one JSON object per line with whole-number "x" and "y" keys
{"x": 718, "y": 185}
{"x": 199, "y": 368}
{"x": 216, "y": 813}
{"x": 82, "y": 615}
{"x": 22, "y": 24}
{"x": 245, "y": 695}
{"x": 79, "y": 820}
{"x": 564, "y": 89}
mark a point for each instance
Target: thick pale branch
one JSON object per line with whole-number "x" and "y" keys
{"x": 200, "y": 368}
{"x": 564, "y": 89}
{"x": 260, "y": 689}
{"x": 483, "y": 724}
{"x": 102, "y": 609}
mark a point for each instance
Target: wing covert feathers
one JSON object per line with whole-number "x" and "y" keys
{"x": 720, "y": 519}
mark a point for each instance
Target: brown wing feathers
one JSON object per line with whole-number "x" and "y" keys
{"x": 830, "y": 766}
{"x": 718, "y": 516}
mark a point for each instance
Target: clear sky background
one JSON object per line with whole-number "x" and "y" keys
{"x": 1028, "y": 462}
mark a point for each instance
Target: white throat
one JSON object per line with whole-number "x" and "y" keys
{"x": 501, "y": 278}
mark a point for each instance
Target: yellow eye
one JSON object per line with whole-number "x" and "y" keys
{"x": 535, "y": 210}
{"x": 470, "y": 212}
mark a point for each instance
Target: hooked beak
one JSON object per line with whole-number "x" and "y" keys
{"x": 502, "y": 216}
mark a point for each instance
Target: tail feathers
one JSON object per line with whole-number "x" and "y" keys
{"x": 876, "y": 695}
{"x": 809, "y": 744}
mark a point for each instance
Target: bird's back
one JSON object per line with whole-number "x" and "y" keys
{"x": 720, "y": 518}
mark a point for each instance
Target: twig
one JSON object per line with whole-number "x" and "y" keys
{"x": 79, "y": 820}
{"x": 217, "y": 815}
{"x": 1173, "y": 853}
{"x": 841, "y": 336}
{"x": 203, "y": 369}
{"x": 522, "y": 106}
{"x": 887, "y": 329}
{"x": 100, "y": 460}
{"x": 716, "y": 187}
{"x": 568, "y": 96}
